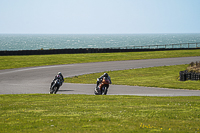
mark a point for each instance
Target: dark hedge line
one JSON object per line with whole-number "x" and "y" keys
{"x": 82, "y": 50}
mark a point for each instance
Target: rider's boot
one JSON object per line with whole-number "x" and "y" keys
{"x": 96, "y": 88}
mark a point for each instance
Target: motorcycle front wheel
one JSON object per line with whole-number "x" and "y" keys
{"x": 55, "y": 89}
{"x": 104, "y": 90}
{"x": 51, "y": 90}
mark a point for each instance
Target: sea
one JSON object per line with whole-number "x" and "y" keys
{"x": 10, "y": 42}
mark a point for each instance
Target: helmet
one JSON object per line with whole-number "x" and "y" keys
{"x": 105, "y": 75}
{"x": 59, "y": 73}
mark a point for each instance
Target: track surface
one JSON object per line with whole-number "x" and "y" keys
{"x": 37, "y": 79}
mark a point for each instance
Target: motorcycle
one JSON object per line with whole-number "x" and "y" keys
{"x": 55, "y": 86}
{"x": 102, "y": 88}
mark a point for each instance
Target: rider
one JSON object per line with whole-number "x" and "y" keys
{"x": 58, "y": 76}
{"x": 99, "y": 80}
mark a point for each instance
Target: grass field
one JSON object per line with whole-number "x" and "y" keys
{"x": 110, "y": 113}
{"x": 88, "y": 113}
{"x": 9, "y": 62}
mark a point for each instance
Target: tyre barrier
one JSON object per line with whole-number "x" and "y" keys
{"x": 185, "y": 75}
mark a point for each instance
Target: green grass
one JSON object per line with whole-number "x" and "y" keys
{"x": 163, "y": 77}
{"x": 9, "y": 62}
{"x": 89, "y": 113}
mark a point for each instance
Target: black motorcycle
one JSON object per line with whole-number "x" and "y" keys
{"x": 55, "y": 86}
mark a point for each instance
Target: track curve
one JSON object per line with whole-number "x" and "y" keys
{"x": 37, "y": 79}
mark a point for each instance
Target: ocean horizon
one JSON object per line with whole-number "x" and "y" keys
{"x": 10, "y": 42}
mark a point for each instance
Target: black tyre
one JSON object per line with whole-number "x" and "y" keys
{"x": 51, "y": 90}
{"x": 104, "y": 90}
{"x": 55, "y": 90}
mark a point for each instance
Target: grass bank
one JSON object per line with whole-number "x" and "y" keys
{"x": 88, "y": 113}
{"x": 163, "y": 77}
{"x": 9, "y": 62}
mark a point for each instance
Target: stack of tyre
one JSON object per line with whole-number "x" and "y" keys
{"x": 185, "y": 75}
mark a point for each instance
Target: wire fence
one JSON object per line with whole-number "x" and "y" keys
{"x": 165, "y": 46}
{"x": 104, "y": 50}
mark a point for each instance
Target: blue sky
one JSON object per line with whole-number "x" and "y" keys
{"x": 99, "y": 16}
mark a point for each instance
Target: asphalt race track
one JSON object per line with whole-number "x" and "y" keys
{"x": 37, "y": 79}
